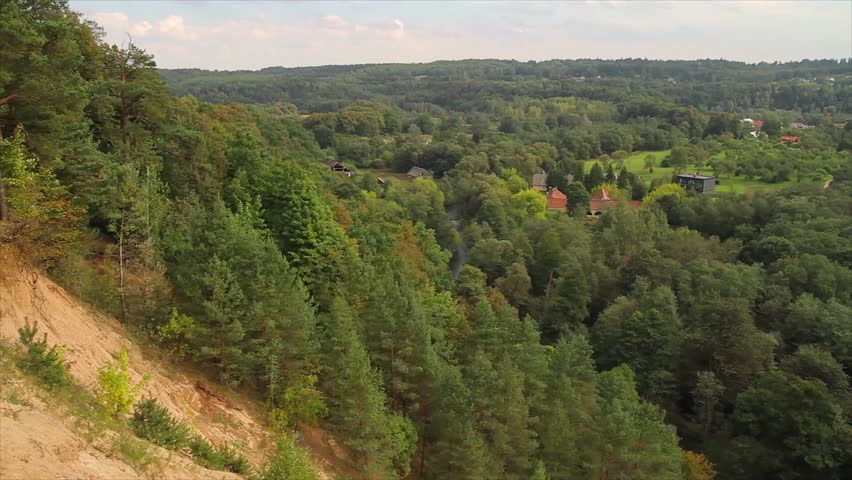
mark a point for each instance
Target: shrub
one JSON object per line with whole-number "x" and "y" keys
{"x": 45, "y": 363}
{"x": 288, "y": 462}
{"x": 218, "y": 458}
{"x": 203, "y": 452}
{"x": 154, "y": 423}
{"x": 232, "y": 460}
{"x": 403, "y": 435}
{"x": 115, "y": 391}
{"x": 301, "y": 401}
{"x": 175, "y": 333}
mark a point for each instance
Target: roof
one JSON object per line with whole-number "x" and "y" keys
{"x": 556, "y": 200}
{"x": 758, "y": 123}
{"x": 557, "y": 194}
{"x": 789, "y": 138}
{"x": 418, "y": 172}
{"x": 598, "y": 205}
{"x": 601, "y": 194}
{"x": 697, "y": 176}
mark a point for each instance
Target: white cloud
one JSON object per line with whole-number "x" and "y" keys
{"x": 538, "y": 30}
{"x": 399, "y": 31}
{"x": 173, "y": 26}
{"x": 110, "y": 20}
{"x": 334, "y": 20}
{"x": 117, "y": 26}
{"x": 141, "y": 28}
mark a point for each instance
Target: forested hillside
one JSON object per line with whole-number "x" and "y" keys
{"x": 466, "y": 85}
{"x": 455, "y": 326}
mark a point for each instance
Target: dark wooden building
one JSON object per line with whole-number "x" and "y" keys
{"x": 693, "y": 182}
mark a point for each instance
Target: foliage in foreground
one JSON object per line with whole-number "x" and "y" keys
{"x": 45, "y": 363}
{"x": 154, "y": 423}
{"x": 288, "y": 462}
{"x": 116, "y": 390}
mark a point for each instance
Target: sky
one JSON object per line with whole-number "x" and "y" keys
{"x": 248, "y": 34}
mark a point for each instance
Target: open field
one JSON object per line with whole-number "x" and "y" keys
{"x": 635, "y": 163}
{"x": 386, "y": 173}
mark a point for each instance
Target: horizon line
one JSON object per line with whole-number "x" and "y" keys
{"x": 579, "y": 59}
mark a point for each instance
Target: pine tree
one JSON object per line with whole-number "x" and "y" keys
{"x": 357, "y": 408}
{"x": 567, "y": 426}
{"x": 515, "y": 284}
{"x": 456, "y": 449}
{"x": 610, "y": 174}
{"x": 632, "y": 441}
{"x": 578, "y": 198}
{"x": 595, "y": 177}
{"x": 219, "y": 333}
{"x": 643, "y": 331}
{"x": 302, "y": 224}
{"x": 623, "y": 180}
{"x": 514, "y": 441}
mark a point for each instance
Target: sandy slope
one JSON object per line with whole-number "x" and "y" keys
{"x": 90, "y": 340}
{"x": 39, "y": 443}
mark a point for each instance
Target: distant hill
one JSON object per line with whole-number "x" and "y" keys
{"x": 464, "y": 84}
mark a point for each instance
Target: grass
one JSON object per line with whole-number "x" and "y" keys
{"x": 387, "y": 173}
{"x": 635, "y": 163}
{"x": 135, "y": 452}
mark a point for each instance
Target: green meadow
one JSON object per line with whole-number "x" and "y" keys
{"x": 635, "y": 163}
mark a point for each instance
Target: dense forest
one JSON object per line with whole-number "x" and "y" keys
{"x": 455, "y": 326}
{"x": 469, "y": 85}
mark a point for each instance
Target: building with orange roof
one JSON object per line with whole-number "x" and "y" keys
{"x": 556, "y": 200}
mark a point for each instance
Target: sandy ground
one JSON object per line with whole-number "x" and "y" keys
{"x": 39, "y": 443}
{"x": 41, "y": 447}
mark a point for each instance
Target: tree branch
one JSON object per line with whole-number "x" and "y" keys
{"x": 7, "y": 98}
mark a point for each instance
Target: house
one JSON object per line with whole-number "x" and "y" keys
{"x": 800, "y": 125}
{"x": 789, "y": 138}
{"x": 338, "y": 167}
{"x": 556, "y": 200}
{"x": 758, "y": 124}
{"x": 693, "y": 182}
{"x": 417, "y": 172}
{"x": 539, "y": 182}
{"x": 601, "y": 201}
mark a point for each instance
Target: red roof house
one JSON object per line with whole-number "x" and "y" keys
{"x": 556, "y": 200}
{"x": 601, "y": 201}
{"x": 789, "y": 138}
{"x": 757, "y": 124}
